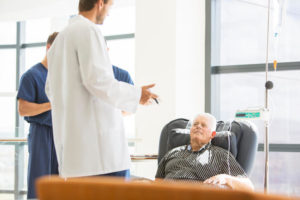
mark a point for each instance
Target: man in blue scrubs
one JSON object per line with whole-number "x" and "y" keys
{"x": 35, "y": 107}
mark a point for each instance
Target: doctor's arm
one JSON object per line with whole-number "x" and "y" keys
{"x": 27, "y": 108}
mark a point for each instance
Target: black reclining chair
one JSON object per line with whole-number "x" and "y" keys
{"x": 243, "y": 139}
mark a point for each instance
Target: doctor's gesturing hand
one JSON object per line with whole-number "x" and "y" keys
{"x": 147, "y": 96}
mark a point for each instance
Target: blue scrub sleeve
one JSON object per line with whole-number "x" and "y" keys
{"x": 27, "y": 90}
{"x": 129, "y": 80}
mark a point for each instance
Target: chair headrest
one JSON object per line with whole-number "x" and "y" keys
{"x": 224, "y": 138}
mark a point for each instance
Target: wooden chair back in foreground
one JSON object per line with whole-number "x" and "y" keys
{"x": 108, "y": 188}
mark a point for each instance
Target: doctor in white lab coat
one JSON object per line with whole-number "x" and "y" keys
{"x": 86, "y": 99}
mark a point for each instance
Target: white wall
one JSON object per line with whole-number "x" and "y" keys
{"x": 155, "y": 41}
{"x": 169, "y": 52}
{"x": 190, "y": 57}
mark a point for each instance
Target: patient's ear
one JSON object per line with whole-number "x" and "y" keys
{"x": 213, "y": 134}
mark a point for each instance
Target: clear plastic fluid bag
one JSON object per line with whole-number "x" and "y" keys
{"x": 278, "y": 15}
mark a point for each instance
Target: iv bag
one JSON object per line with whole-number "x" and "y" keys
{"x": 278, "y": 14}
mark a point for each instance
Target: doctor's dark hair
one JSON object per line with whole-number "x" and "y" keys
{"x": 86, "y": 5}
{"x": 51, "y": 38}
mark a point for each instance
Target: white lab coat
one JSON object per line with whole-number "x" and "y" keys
{"x": 86, "y": 103}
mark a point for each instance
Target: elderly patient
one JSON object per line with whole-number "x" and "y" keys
{"x": 202, "y": 161}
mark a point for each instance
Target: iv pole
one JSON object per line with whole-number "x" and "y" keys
{"x": 268, "y": 86}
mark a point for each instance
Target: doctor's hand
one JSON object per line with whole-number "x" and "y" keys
{"x": 147, "y": 96}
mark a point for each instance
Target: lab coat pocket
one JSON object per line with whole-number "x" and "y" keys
{"x": 109, "y": 119}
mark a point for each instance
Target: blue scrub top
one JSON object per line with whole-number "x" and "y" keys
{"x": 122, "y": 75}
{"x": 32, "y": 89}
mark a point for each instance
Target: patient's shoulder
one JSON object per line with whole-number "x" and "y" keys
{"x": 177, "y": 150}
{"x": 180, "y": 148}
{"x": 218, "y": 149}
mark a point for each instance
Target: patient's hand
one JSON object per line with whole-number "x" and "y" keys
{"x": 233, "y": 182}
{"x": 220, "y": 179}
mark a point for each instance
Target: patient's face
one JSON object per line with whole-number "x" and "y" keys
{"x": 201, "y": 131}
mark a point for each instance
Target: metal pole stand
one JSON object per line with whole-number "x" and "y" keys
{"x": 268, "y": 86}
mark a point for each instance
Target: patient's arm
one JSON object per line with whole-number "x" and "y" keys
{"x": 234, "y": 182}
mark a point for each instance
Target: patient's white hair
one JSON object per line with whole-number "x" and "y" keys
{"x": 211, "y": 118}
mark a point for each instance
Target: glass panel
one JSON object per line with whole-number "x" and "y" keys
{"x": 121, "y": 20}
{"x": 239, "y": 30}
{"x": 25, "y": 168}
{"x": 22, "y": 197}
{"x": 8, "y": 70}
{"x": 7, "y": 157}
{"x": 288, "y": 40}
{"x": 37, "y": 30}
{"x": 283, "y": 173}
{"x": 9, "y": 35}
{"x": 7, "y": 196}
{"x": 122, "y": 54}
{"x": 241, "y": 91}
{"x": 7, "y": 169}
{"x": 26, "y": 128}
{"x": 7, "y": 117}
{"x": 33, "y": 56}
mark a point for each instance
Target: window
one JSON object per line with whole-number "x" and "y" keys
{"x": 238, "y": 43}
{"x": 284, "y": 173}
{"x": 243, "y": 90}
{"x": 16, "y": 57}
{"x": 7, "y": 92}
{"x": 9, "y": 35}
{"x": 239, "y": 30}
{"x": 34, "y": 55}
{"x": 7, "y": 117}
{"x": 7, "y": 167}
{"x": 37, "y": 30}
{"x": 118, "y": 57}
{"x": 8, "y": 70}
